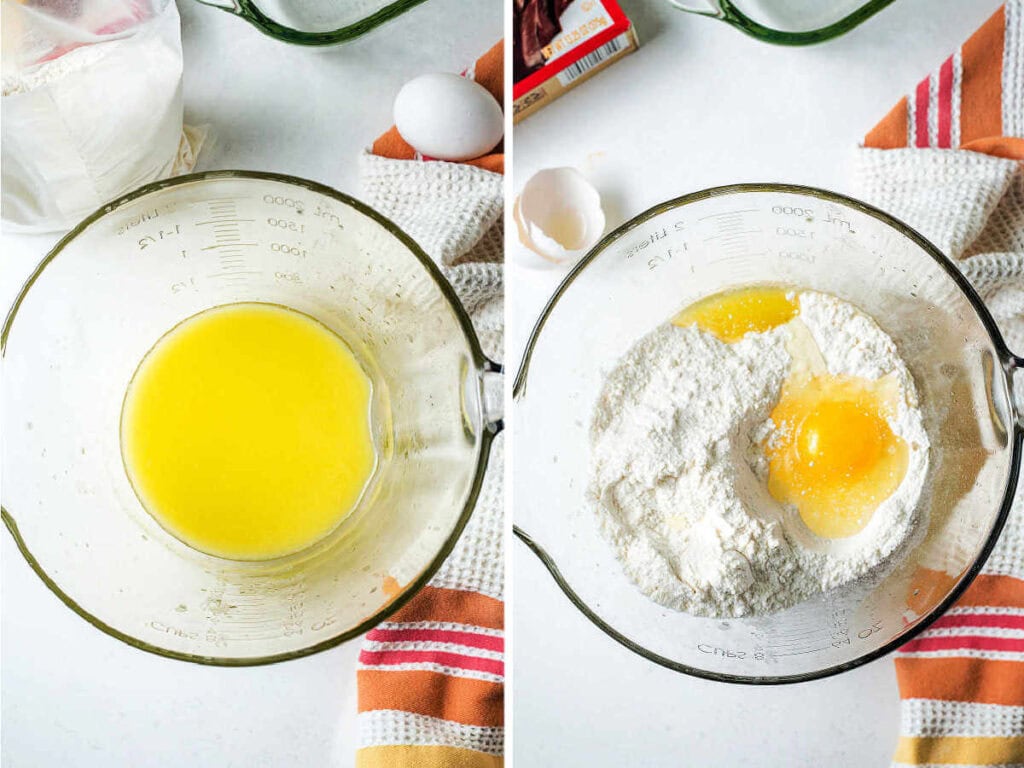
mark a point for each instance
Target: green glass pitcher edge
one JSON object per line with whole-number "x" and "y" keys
{"x": 250, "y": 12}
{"x": 731, "y": 15}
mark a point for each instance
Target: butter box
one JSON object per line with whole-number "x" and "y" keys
{"x": 558, "y": 44}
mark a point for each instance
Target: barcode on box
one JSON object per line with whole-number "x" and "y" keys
{"x": 593, "y": 59}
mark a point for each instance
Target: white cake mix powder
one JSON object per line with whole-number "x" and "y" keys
{"x": 679, "y": 475}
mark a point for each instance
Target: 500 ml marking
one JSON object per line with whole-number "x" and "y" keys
{"x": 184, "y": 285}
{"x": 797, "y": 256}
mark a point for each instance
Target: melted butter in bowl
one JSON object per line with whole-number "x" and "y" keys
{"x": 732, "y": 315}
{"x": 246, "y": 431}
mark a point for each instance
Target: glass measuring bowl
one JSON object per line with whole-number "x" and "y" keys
{"x": 133, "y": 270}
{"x": 638, "y": 277}
{"x": 787, "y": 22}
{"x": 315, "y": 22}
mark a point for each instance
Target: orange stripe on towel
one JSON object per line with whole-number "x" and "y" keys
{"x": 1010, "y": 147}
{"x": 437, "y": 604}
{"x": 891, "y": 132}
{"x": 985, "y": 681}
{"x": 981, "y": 99}
{"x": 463, "y": 700}
{"x": 1004, "y": 591}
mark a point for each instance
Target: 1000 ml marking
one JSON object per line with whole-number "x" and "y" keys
{"x": 291, "y": 250}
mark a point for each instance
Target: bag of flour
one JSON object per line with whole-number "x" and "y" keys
{"x": 91, "y": 106}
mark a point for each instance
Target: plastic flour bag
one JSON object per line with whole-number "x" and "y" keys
{"x": 91, "y": 106}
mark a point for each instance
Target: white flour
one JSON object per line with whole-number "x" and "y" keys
{"x": 679, "y": 477}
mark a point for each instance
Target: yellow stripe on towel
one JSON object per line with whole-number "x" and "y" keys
{"x": 960, "y": 750}
{"x": 424, "y": 757}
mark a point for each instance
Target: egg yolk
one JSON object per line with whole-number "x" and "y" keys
{"x": 833, "y": 455}
{"x": 731, "y": 315}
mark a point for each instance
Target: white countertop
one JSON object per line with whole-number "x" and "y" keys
{"x": 699, "y": 105}
{"x": 75, "y": 697}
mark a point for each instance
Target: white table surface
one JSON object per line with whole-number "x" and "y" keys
{"x": 700, "y": 105}
{"x": 75, "y": 697}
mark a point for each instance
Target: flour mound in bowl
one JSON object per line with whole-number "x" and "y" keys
{"x": 681, "y": 436}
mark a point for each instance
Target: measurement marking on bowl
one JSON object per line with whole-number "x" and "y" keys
{"x": 232, "y": 245}
{"x": 731, "y": 225}
{"x": 223, "y": 219}
{"x": 796, "y": 635}
{"x": 742, "y": 255}
{"x": 799, "y": 653}
{"x": 728, "y": 213}
{"x": 726, "y": 235}
{"x": 734, "y": 249}
{"x": 733, "y": 237}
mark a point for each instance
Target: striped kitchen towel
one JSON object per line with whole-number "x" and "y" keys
{"x": 489, "y": 71}
{"x": 947, "y": 160}
{"x": 973, "y": 101}
{"x": 431, "y": 679}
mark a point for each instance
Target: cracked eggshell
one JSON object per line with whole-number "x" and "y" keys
{"x": 558, "y": 214}
{"x": 448, "y": 117}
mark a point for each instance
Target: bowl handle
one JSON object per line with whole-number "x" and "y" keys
{"x": 492, "y": 396}
{"x": 1015, "y": 387}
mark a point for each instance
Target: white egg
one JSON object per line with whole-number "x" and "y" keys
{"x": 448, "y": 117}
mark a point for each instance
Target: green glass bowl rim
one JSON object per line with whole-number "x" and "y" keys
{"x": 1007, "y": 359}
{"x": 250, "y": 11}
{"x": 730, "y": 14}
{"x": 482, "y": 362}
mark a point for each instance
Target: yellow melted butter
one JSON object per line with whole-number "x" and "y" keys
{"x": 246, "y": 431}
{"x": 731, "y": 315}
